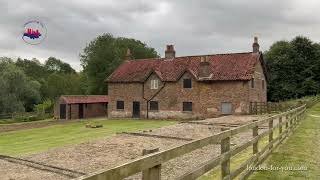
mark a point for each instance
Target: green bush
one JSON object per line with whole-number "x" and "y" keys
{"x": 27, "y": 117}
{"x": 46, "y": 106}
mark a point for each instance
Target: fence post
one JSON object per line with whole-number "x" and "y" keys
{"x": 287, "y": 123}
{"x": 255, "y": 134}
{"x": 290, "y": 120}
{"x": 225, "y": 147}
{"x": 280, "y": 125}
{"x": 256, "y": 107}
{"x": 153, "y": 173}
{"x": 271, "y": 132}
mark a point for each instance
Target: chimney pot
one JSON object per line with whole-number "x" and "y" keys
{"x": 204, "y": 70}
{"x": 128, "y": 55}
{"x": 170, "y": 52}
{"x": 255, "y": 45}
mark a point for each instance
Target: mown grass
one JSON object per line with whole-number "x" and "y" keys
{"x": 300, "y": 149}
{"x": 41, "y": 139}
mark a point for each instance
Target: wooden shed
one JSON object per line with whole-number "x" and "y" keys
{"x": 80, "y": 106}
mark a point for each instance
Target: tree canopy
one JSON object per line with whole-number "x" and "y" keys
{"x": 17, "y": 92}
{"x": 294, "y": 69}
{"x": 104, "y": 54}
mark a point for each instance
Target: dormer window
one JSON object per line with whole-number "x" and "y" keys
{"x": 187, "y": 83}
{"x": 154, "y": 84}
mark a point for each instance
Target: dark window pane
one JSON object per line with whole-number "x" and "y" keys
{"x": 187, "y": 83}
{"x": 120, "y": 104}
{"x": 154, "y": 105}
{"x": 252, "y": 83}
{"x": 187, "y": 106}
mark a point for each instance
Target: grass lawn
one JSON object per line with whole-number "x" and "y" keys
{"x": 41, "y": 139}
{"x": 300, "y": 149}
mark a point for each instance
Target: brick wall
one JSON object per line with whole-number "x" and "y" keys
{"x": 205, "y": 96}
{"x": 258, "y": 93}
{"x": 89, "y": 110}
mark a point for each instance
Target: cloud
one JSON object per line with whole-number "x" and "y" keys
{"x": 195, "y": 27}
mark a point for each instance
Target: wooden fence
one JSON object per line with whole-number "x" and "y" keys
{"x": 150, "y": 164}
{"x": 270, "y": 107}
{"x": 21, "y": 114}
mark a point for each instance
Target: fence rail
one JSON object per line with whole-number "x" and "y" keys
{"x": 270, "y": 107}
{"x": 151, "y": 164}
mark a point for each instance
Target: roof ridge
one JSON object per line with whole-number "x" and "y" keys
{"x": 159, "y": 58}
{"x": 144, "y": 59}
{"x": 83, "y": 95}
{"x": 216, "y": 54}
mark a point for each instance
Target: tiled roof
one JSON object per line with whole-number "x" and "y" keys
{"x": 235, "y": 66}
{"x": 74, "y": 99}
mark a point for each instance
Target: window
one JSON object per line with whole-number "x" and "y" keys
{"x": 154, "y": 105}
{"x": 263, "y": 84}
{"x": 120, "y": 104}
{"x": 252, "y": 83}
{"x": 187, "y": 106}
{"x": 154, "y": 84}
{"x": 187, "y": 83}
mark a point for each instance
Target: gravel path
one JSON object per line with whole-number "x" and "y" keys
{"x": 121, "y": 148}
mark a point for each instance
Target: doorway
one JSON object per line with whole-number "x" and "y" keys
{"x": 136, "y": 109}
{"x": 80, "y": 111}
{"x": 226, "y": 108}
{"x": 63, "y": 111}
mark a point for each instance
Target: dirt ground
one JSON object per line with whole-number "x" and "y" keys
{"x": 75, "y": 160}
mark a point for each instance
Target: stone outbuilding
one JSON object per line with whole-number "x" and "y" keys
{"x": 188, "y": 87}
{"x": 80, "y": 106}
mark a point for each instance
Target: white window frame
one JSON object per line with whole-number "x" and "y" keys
{"x": 154, "y": 84}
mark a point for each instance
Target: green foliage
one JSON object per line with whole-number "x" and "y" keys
{"x": 54, "y": 77}
{"x": 27, "y": 82}
{"x": 56, "y": 65}
{"x": 104, "y": 54}
{"x": 17, "y": 93}
{"x": 294, "y": 69}
{"x": 45, "y": 106}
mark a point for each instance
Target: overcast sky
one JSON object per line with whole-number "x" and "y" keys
{"x": 194, "y": 27}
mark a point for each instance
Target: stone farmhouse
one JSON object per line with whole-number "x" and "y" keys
{"x": 187, "y": 87}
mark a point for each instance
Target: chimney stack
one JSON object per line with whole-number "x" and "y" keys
{"x": 204, "y": 70}
{"x": 255, "y": 45}
{"x": 128, "y": 55}
{"x": 170, "y": 52}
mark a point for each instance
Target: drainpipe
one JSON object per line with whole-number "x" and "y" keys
{"x": 148, "y": 100}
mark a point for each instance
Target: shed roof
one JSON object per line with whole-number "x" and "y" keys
{"x": 75, "y": 99}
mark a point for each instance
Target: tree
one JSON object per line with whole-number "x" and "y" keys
{"x": 17, "y": 93}
{"x": 32, "y": 68}
{"x": 56, "y": 65}
{"x": 104, "y": 54}
{"x": 293, "y": 68}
